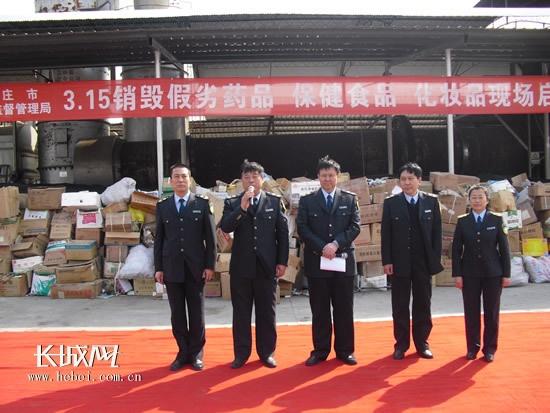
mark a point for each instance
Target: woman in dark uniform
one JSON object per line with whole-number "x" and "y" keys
{"x": 481, "y": 267}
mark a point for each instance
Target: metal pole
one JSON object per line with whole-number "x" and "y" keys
{"x": 529, "y": 165}
{"x": 546, "y": 134}
{"x": 450, "y": 123}
{"x": 389, "y": 136}
{"x": 160, "y": 158}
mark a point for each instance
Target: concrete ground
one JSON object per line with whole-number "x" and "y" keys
{"x": 135, "y": 311}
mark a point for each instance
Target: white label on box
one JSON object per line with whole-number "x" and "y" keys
{"x": 30, "y": 214}
{"x": 63, "y": 174}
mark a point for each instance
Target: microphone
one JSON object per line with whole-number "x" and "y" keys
{"x": 343, "y": 255}
{"x": 250, "y": 189}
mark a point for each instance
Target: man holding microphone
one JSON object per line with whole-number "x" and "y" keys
{"x": 259, "y": 256}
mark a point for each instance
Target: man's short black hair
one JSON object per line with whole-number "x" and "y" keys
{"x": 248, "y": 166}
{"x": 179, "y": 165}
{"x": 326, "y": 163}
{"x": 412, "y": 168}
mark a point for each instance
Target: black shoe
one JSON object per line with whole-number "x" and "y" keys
{"x": 177, "y": 364}
{"x": 398, "y": 354}
{"x": 489, "y": 357}
{"x": 349, "y": 360}
{"x": 313, "y": 360}
{"x": 471, "y": 355}
{"x": 269, "y": 362}
{"x": 197, "y": 364}
{"x": 238, "y": 363}
{"x": 425, "y": 354}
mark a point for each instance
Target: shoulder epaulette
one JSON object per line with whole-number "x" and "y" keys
{"x": 345, "y": 191}
{"x": 272, "y": 194}
{"x": 497, "y": 214}
{"x": 392, "y": 196}
{"x": 462, "y": 215}
{"x": 163, "y": 199}
{"x": 202, "y": 197}
{"x": 430, "y": 194}
{"x": 233, "y": 196}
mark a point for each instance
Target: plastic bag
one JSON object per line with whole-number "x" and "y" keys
{"x": 139, "y": 263}
{"x": 42, "y": 284}
{"x": 538, "y": 269}
{"x": 120, "y": 191}
{"x": 518, "y": 274}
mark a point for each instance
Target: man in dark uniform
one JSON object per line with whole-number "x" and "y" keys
{"x": 185, "y": 255}
{"x": 481, "y": 267}
{"x": 411, "y": 254}
{"x": 258, "y": 257}
{"x": 328, "y": 222}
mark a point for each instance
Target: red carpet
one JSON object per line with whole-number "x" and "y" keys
{"x": 516, "y": 382}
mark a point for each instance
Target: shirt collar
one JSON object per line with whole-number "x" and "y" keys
{"x": 325, "y": 193}
{"x": 408, "y": 198}
{"x": 186, "y": 198}
{"x": 482, "y": 214}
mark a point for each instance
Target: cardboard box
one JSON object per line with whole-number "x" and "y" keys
{"x": 114, "y": 208}
{"x": 12, "y": 285}
{"x": 502, "y": 201}
{"x": 212, "y": 289}
{"x": 514, "y": 242}
{"x": 426, "y": 186}
{"x": 144, "y": 286}
{"x": 445, "y": 279}
{"x": 89, "y": 219}
{"x": 144, "y": 202}
{"x": 512, "y": 220}
{"x": 116, "y": 253}
{"x": 226, "y": 285}
{"x": 81, "y": 250}
{"x": 61, "y": 232}
{"x": 386, "y": 187}
{"x": 361, "y": 253}
{"x": 364, "y": 236}
{"x": 446, "y": 246}
{"x": 378, "y": 282}
{"x": 294, "y": 265}
{"x": 447, "y": 180}
{"x": 360, "y": 187}
{"x": 454, "y": 202}
{"x": 10, "y": 226}
{"x": 5, "y": 255}
{"x": 285, "y": 288}
{"x": 222, "y": 262}
{"x": 9, "y": 201}
{"x": 83, "y": 200}
{"x": 296, "y": 190}
{"x": 36, "y": 214}
{"x": 534, "y": 247}
{"x": 371, "y": 213}
{"x": 532, "y": 231}
{"x": 118, "y": 222}
{"x": 31, "y": 248}
{"x": 32, "y": 227}
{"x": 376, "y": 233}
{"x": 447, "y": 263}
{"x": 122, "y": 238}
{"x": 90, "y": 234}
{"x": 379, "y": 197}
{"x": 542, "y": 203}
{"x": 111, "y": 269}
{"x": 77, "y": 273}
{"x": 448, "y": 229}
{"x": 55, "y": 253}
{"x": 77, "y": 290}
{"x": 519, "y": 181}
{"x": 373, "y": 269}
{"x": 25, "y": 264}
{"x": 224, "y": 241}
{"x": 528, "y": 215}
{"x": 373, "y": 253}
{"x": 45, "y": 197}
{"x": 539, "y": 189}
{"x": 449, "y": 216}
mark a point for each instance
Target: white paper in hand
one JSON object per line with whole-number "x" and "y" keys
{"x": 335, "y": 264}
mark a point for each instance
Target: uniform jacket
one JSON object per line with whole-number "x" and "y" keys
{"x": 395, "y": 233}
{"x": 317, "y": 226}
{"x": 189, "y": 238}
{"x": 261, "y": 236}
{"x": 483, "y": 253}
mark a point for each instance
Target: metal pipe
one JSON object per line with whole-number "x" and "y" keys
{"x": 160, "y": 158}
{"x": 389, "y": 136}
{"x": 450, "y": 123}
{"x": 529, "y": 164}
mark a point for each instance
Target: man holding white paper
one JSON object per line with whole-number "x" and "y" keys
{"x": 328, "y": 221}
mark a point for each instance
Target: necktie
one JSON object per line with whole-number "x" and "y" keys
{"x": 412, "y": 202}
{"x": 182, "y": 205}
{"x": 478, "y": 222}
{"x": 329, "y": 202}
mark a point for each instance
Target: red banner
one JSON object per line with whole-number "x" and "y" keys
{"x": 280, "y": 96}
